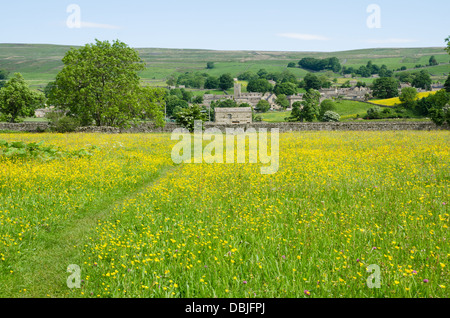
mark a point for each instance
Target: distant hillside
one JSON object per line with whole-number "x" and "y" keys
{"x": 40, "y": 63}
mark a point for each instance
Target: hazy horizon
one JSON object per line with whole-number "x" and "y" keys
{"x": 249, "y": 50}
{"x": 284, "y": 26}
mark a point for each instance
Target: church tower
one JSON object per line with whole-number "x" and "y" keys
{"x": 237, "y": 91}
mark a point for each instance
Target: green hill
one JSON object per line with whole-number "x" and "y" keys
{"x": 40, "y": 63}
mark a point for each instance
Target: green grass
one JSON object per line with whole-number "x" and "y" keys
{"x": 349, "y": 109}
{"x": 275, "y": 116}
{"x": 40, "y": 63}
{"x": 346, "y": 108}
{"x": 139, "y": 226}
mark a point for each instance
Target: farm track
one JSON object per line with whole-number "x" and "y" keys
{"x": 43, "y": 271}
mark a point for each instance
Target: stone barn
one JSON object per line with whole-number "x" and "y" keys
{"x": 235, "y": 115}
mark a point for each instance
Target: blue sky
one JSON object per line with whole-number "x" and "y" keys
{"x": 281, "y": 25}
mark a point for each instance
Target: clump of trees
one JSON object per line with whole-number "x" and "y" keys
{"x": 368, "y": 70}
{"x": 17, "y": 100}
{"x": 377, "y": 112}
{"x": 385, "y": 87}
{"x": 433, "y": 61}
{"x": 313, "y": 64}
{"x": 308, "y": 109}
{"x": 313, "y": 81}
{"x": 262, "y": 106}
{"x": 286, "y": 88}
{"x": 421, "y": 79}
{"x": 325, "y": 106}
{"x": 436, "y": 106}
{"x": 260, "y": 85}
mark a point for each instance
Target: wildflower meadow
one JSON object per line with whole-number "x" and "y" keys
{"x": 138, "y": 225}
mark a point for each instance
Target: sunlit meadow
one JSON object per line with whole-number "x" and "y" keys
{"x": 339, "y": 202}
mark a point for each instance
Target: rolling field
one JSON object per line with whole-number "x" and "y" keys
{"x": 346, "y": 108}
{"x": 396, "y": 100}
{"x": 137, "y": 225}
{"x": 39, "y": 63}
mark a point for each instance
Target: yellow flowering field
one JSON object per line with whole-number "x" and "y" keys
{"x": 396, "y": 100}
{"x": 138, "y": 225}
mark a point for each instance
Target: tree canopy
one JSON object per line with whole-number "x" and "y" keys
{"x": 314, "y": 64}
{"x": 226, "y": 81}
{"x": 262, "y": 106}
{"x": 408, "y": 96}
{"x": 385, "y": 87}
{"x": 18, "y": 100}
{"x": 422, "y": 80}
{"x": 286, "y": 88}
{"x": 100, "y": 83}
{"x": 308, "y": 109}
{"x": 259, "y": 85}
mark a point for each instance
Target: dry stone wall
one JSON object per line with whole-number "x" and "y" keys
{"x": 283, "y": 127}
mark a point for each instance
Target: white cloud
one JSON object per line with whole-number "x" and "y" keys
{"x": 303, "y": 37}
{"x": 92, "y": 25}
{"x": 390, "y": 41}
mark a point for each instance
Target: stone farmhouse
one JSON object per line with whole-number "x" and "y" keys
{"x": 236, "y": 115}
{"x": 42, "y": 112}
{"x": 353, "y": 93}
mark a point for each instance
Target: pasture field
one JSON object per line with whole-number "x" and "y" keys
{"x": 40, "y": 63}
{"x": 137, "y": 225}
{"x": 348, "y": 109}
{"x": 396, "y": 100}
{"x": 275, "y": 116}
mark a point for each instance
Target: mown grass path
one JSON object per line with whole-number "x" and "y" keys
{"x": 42, "y": 271}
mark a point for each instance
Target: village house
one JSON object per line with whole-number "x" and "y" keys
{"x": 235, "y": 115}
{"x": 42, "y": 112}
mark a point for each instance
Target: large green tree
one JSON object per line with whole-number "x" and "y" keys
{"x": 226, "y": 81}
{"x": 260, "y": 85}
{"x": 432, "y": 61}
{"x": 422, "y": 80}
{"x": 212, "y": 82}
{"x": 286, "y": 88}
{"x": 312, "y": 82}
{"x": 173, "y": 102}
{"x": 262, "y": 106}
{"x": 408, "y": 97}
{"x": 99, "y": 84}
{"x": 440, "y": 111}
{"x": 385, "y": 87}
{"x": 18, "y": 100}
{"x": 326, "y": 105}
{"x": 308, "y": 109}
